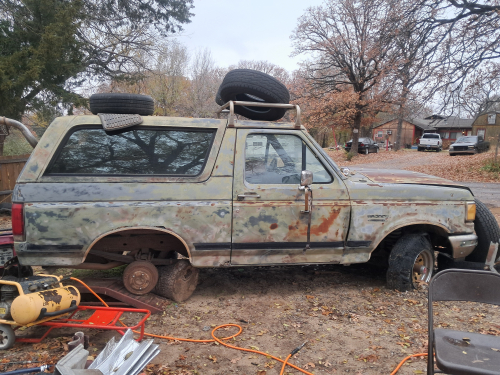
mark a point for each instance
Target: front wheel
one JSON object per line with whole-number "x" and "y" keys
{"x": 411, "y": 262}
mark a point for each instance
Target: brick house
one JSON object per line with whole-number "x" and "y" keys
{"x": 450, "y": 128}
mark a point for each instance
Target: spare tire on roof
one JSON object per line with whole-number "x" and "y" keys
{"x": 122, "y": 104}
{"x": 253, "y": 86}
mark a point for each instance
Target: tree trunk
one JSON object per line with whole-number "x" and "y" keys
{"x": 401, "y": 113}
{"x": 355, "y": 132}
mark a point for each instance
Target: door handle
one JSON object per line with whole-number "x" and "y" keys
{"x": 247, "y": 195}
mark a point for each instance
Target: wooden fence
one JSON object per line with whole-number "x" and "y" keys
{"x": 10, "y": 168}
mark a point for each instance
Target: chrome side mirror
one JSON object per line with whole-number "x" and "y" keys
{"x": 306, "y": 178}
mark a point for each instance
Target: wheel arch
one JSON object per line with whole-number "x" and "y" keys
{"x": 438, "y": 235}
{"x": 153, "y": 230}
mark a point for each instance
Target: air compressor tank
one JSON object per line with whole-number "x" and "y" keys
{"x": 31, "y": 307}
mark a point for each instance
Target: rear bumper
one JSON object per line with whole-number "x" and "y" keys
{"x": 429, "y": 147}
{"x": 463, "y": 245}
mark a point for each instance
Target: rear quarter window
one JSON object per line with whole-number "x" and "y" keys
{"x": 143, "y": 151}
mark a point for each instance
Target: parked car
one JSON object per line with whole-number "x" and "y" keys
{"x": 168, "y": 195}
{"x": 365, "y": 146}
{"x": 471, "y": 144}
{"x": 430, "y": 141}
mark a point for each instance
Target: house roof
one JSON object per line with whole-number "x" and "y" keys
{"x": 436, "y": 122}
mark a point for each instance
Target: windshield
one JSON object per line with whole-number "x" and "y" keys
{"x": 360, "y": 140}
{"x": 431, "y": 136}
{"x": 472, "y": 139}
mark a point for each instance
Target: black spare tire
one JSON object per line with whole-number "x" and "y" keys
{"x": 253, "y": 86}
{"x": 122, "y": 104}
{"x": 487, "y": 231}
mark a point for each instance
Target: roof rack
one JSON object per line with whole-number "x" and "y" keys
{"x": 231, "y": 104}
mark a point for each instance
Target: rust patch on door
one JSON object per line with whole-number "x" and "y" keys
{"x": 273, "y": 226}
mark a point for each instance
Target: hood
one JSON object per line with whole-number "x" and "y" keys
{"x": 389, "y": 176}
{"x": 463, "y": 144}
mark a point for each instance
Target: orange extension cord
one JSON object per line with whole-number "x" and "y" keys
{"x": 240, "y": 329}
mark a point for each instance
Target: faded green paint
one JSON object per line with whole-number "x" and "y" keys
{"x": 65, "y": 216}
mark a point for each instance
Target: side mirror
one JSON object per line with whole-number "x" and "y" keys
{"x": 306, "y": 178}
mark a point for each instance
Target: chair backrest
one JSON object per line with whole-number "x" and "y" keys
{"x": 465, "y": 285}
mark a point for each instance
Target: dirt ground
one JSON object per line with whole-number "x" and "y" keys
{"x": 349, "y": 320}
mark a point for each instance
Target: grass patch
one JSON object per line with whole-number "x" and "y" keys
{"x": 492, "y": 167}
{"x": 113, "y": 272}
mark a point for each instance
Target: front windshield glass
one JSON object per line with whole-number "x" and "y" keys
{"x": 467, "y": 139}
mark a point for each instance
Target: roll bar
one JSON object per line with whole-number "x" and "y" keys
{"x": 231, "y": 104}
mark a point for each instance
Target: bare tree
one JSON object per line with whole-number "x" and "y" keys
{"x": 205, "y": 79}
{"x": 350, "y": 42}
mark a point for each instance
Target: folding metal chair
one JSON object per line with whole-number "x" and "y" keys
{"x": 462, "y": 352}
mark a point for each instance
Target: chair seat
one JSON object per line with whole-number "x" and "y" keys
{"x": 457, "y": 356}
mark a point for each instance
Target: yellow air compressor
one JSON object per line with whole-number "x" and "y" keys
{"x": 35, "y": 298}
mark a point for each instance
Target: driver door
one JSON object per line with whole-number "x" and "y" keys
{"x": 268, "y": 225}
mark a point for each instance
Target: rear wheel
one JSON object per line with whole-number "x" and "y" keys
{"x": 419, "y": 148}
{"x": 366, "y": 151}
{"x": 411, "y": 262}
{"x": 140, "y": 277}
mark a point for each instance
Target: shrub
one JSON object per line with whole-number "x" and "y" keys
{"x": 349, "y": 156}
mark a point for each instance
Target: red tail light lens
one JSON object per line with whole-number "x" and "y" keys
{"x": 18, "y": 221}
{"x": 362, "y": 145}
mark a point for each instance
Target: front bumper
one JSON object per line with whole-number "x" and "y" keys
{"x": 471, "y": 152}
{"x": 462, "y": 245}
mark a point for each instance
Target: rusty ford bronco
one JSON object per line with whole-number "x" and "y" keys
{"x": 169, "y": 195}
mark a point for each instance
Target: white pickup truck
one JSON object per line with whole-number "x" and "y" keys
{"x": 430, "y": 141}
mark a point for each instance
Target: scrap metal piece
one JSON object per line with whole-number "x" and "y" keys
{"x": 115, "y": 121}
{"x": 74, "y": 363}
{"x": 127, "y": 357}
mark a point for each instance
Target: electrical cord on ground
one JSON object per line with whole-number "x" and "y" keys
{"x": 407, "y": 358}
{"x": 240, "y": 330}
{"x": 215, "y": 339}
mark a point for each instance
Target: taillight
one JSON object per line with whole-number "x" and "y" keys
{"x": 18, "y": 221}
{"x": 362, "y": 145}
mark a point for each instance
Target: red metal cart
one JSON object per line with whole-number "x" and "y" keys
{"x": 102, "y": 318}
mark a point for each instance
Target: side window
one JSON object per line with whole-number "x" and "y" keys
{"x": 279, "y": 159}
{"x": 145, "y": 151}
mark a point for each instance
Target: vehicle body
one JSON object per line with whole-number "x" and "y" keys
{"x": 225, "y": 193}
{"x": 430, "y": 141}
{"x": 472, "y": 144}
{"x": 365, "y": 145}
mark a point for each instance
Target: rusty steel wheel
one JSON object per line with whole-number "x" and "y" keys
{"x": 140, "y": 277}
{"x": 411, "y": 262}
{"x": 177, "y": 281}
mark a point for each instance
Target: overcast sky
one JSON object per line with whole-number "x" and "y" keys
{"x": 246, "y": 30}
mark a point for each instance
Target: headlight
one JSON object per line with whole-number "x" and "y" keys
{"x": 451, "y": 147}
{"x": 470, "y": 211}
{"x": 471, "y": 147}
